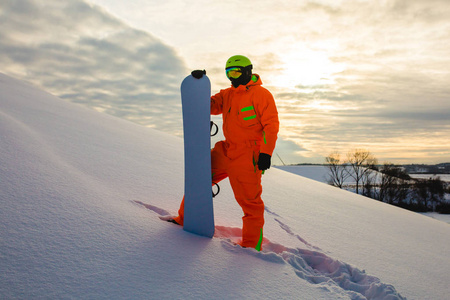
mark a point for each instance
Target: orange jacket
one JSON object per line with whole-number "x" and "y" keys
{"x": 250, "y": 117}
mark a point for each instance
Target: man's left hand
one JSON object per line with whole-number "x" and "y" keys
{"x": 198, "y": 73}
{"x": 264, "y": 161}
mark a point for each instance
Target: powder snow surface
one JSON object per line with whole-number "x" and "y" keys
{"x": 81, "y": 194}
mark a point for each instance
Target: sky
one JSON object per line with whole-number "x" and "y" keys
{"x": 344, "y": 74}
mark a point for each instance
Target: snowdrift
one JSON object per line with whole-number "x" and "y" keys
{"x": 81, "y": 194}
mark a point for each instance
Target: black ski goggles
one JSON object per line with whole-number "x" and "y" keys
{"x": 233, "y": 72}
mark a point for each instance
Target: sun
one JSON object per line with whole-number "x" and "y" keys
{"x": 303, "y": 67}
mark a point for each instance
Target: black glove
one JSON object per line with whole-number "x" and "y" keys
{"x": 198, "y": 73}
{"x": 264, "y": 161}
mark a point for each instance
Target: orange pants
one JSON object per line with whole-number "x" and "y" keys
{"x": 245, "y": 180}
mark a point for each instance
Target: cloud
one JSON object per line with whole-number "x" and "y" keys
{"x": 392, "y": 89}
{"x": 81, "y": 53}
{"x": 321, "y": 119}
{"x": 343, "y": 72}
{"x": 288, "y": 152}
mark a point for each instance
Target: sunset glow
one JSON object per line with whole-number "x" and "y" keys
{"x": 344, "y": 74}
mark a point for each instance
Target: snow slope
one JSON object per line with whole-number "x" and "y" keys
{"x": 317, "y": 173}
{"x": 321, "y": 174}
{"x": 81, "y": 194}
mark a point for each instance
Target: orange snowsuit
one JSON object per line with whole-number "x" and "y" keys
{"x": 250, "y": 127}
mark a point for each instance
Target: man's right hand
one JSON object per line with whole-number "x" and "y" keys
{"x": 198, "y": 73}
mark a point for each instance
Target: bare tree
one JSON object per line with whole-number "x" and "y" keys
{"x": 429, "y": 192}
{"x": 394, "y": 187}
{"x": 338, "y": 170}
{"x": 369, "y": 175}
{"x": 360, "y": 161}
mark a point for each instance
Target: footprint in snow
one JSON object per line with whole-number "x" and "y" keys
{"x": 311, "y": 265}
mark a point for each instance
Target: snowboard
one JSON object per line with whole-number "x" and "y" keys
{"x": 198, "y": 204}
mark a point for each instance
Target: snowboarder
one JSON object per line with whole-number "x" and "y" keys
{"x": 250, "y": 127}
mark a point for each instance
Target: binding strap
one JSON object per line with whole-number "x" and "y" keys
{"x": 218, "y": 190}
{"x": 216, "y": 128}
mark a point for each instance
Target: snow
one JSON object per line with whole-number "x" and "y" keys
{"x": 443, "y": 177}
{"x": 81, "y": 194}
{"x": 441, "y": 217}
{"x": 321, "y": 173}
{"x": 314, "y": 172}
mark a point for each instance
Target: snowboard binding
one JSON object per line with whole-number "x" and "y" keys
{"x": 216, "y": 128}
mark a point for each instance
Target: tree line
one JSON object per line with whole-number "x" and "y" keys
{"x": 387, "y": 183}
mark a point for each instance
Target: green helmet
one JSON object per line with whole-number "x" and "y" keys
{"x": 238, "y": 61}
